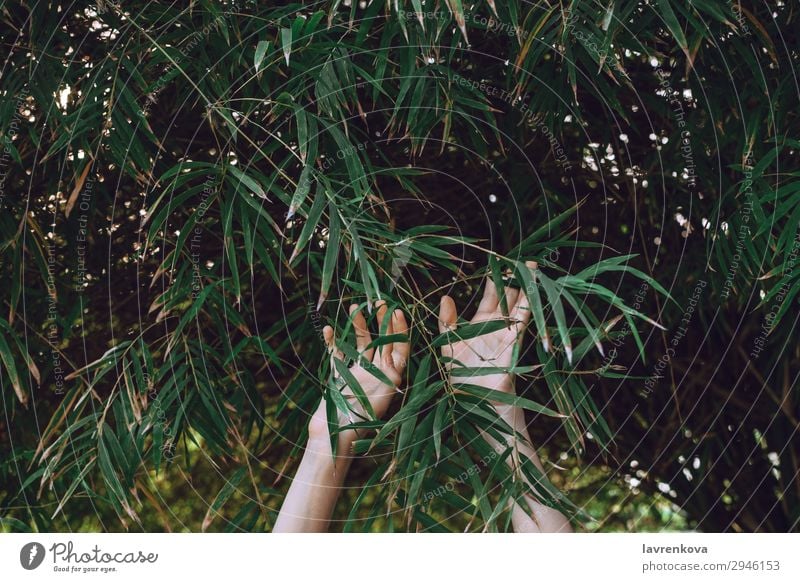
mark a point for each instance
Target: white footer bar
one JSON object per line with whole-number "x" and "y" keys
{"x": 399, "y": 557}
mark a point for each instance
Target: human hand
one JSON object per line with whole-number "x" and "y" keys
{"x": 312, "y": 496}
{"x": 493, "y": 349}
{"x": 390, "y": 359}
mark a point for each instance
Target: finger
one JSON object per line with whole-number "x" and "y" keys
{"x": 510, "y": 293}
{"x": 447, "y": 314}
{"x": 489, "y": 301}
{"x": 327, "y": 334}
{"x": 448, "y": 318}
{"x": 384, "y": 353}
{"x": 363, "y": 336}
{"x": 381, "y": 308}
{"x": 400, "y": 350}
{"x": 521, "y": 312}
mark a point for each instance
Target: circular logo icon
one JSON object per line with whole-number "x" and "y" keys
{"x": 31, "y": 555}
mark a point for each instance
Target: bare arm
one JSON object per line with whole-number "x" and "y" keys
{"x": 315, "y": 488}
{"x": 495, "y": 350}
{"x": 312, "y": 496}
{"x": 545, "y": 519}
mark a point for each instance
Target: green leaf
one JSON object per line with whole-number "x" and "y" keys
{"x": 311, "y": 223}
{"x": 666, "y": 12}
{"x": 457, "y": 10}
{"x": 331, "y": 255}
{"x": 251, "y": 184}
{"x": 301, "y": 192}
{"x": 442, "y": 409}
{"x": 354, "y": 385}
{"x": 554, "y": 300}
{"x": 531, "y": 289}
{"x": 261, "y": 49}
{"x": 505, "y": 398}
{"x": 11, "y": 368}
{"x": 286, "y": 43}
{"x": 332, "y": 415}
{"x": 469, "y": 331}
{"x": 222, "y": 497}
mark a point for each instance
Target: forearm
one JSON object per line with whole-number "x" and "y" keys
{"x": 312, "y": 496}
{"x": 545, "y": 519}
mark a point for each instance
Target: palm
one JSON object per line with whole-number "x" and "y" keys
{"x": 493, "y": 349}
{"x": 389, "y": 359}
{"x": 490, "y": 350}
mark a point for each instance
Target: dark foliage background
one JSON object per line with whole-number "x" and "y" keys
{"x": 188, "y": 192}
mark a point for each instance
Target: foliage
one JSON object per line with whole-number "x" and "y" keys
{"x": 192, "y": 192}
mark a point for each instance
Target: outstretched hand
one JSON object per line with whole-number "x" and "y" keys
{"x": 311, "y": 498}
{"x": 315, "y": 488}
{"x": 493, "y": 349}
{"x": 390, "y": 359}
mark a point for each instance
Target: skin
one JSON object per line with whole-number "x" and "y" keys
{"x": 313, "y": 493}
{"x": 315, "y": 489}
{"x": 495, "y": 350}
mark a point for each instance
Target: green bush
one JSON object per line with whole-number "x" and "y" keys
{"x": 190, "y": 193}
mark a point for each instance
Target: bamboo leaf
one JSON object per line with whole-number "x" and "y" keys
{"x": 261, "y": 50}
{"x": 286, "y": 43}
{"x": 223, "y": 496}
{"x": 333, "y": 244}
{"x": 505, "y": 398}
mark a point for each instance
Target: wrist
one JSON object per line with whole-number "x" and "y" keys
{"x": 514, "y": 416}
{"x": 319, "y": 436}
{"x": 500, "y": 382}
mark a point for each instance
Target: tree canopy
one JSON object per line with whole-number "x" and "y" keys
{"x": 190, "y": 191}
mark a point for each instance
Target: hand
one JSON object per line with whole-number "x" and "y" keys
{"x": 390, "y": 359}
{"x": 495, "y": 350}
{"x": 312, "y": 496}
{"x": 492, "y": 349}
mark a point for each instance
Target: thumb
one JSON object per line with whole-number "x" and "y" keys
{"x": 447, "y": 314}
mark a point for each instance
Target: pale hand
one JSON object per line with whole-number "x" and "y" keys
{"x": 390, "y": 359}
{"x": 492, "y": 349}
